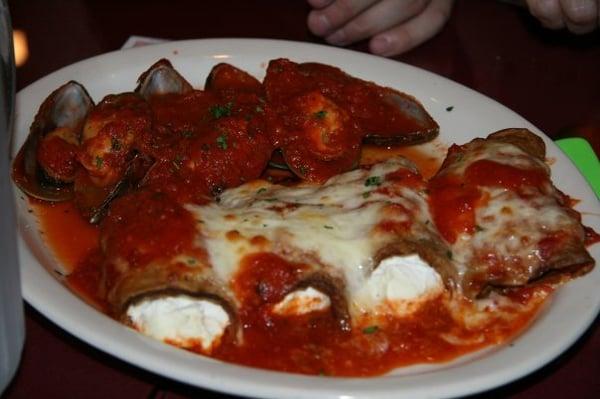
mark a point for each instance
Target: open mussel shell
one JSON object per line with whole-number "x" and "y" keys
{"x": 416, "y": 126}
{"x": 161, "y": 78}
{"x": 67, "y": 106}
{"x": 394, "y": 118}
{"x": 225, "y": 76}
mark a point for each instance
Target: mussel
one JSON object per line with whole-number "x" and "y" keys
{"x": 376, "y": 115}
{"x": 111, "y": 152}
{"x": 58, "y": 123}
{"x": 161, "y": 78}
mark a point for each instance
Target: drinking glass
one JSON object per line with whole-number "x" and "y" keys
{"x": 11, "y": 304}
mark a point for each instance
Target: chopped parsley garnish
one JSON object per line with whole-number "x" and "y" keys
{"x": 115, "y": 144}
{"x": 321, "y": 114}
{"x": 328, "y": 227}
{"x": 270, "y": 199}
{"x": 222, "y": 142}
{"x": 478, "y": 228}
{"x": 261, "y": 190}
{"x": 303, "y": 170}
{"x": 373, "y": 181}
{"x": 450, "y": 108}
{"x": 177, "y": 162}
{"x": 449, "y": 254}
{"x": 370, "y": 330}
{"x": 219, "y": 111}
{"x": 366, "y": 194}
{"x": 187, "y": 134}
{"x": 99, "y": 162}
{"x": 191, "y": 261}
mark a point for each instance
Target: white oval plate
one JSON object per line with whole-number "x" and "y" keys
{"x": 568, "y": 316}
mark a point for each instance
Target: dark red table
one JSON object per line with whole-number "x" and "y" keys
{"x": 551, "y": 78}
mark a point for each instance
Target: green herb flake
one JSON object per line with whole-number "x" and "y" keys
{"x": 115, "y": 144}
{"x": 478, "y": 228}
{"x": 222, "y": 142}
{"x": 321, "y": 114}
{"x": 373, "y": 181}
{"x": 270, "y": 199}
{"x": 449, "y": 254}
{"x": 328, "y": 227}
{"x": 366, "y": 194}
{"x": 261, "y": 190}
{"x": 370, "y": 330}
{"x": 220, "y": 111}
{"x": 99, "y": 162}
{"x": 187, "y": 134}
{"x": 450, "y": 108}
{"x": 191, "y": 261}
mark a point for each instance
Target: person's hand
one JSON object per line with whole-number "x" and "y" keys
{"x": 393, "y": 26}
{"x": 578, "y": 16}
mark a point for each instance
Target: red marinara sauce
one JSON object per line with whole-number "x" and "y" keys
{"x": 454, "y": 197}
{"x": 314, "y": 343}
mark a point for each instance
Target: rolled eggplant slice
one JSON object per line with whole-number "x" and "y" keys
{"x": 47, "y": 162}
{"x": 156, "y": 274}
{"x": 506, "y": 224}
{"x": 182, "y": 305}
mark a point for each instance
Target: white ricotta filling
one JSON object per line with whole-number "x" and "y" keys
{"x": 399, "y": 284}
{"x": 180, "y": 320}
{"x": 301, "y": 302}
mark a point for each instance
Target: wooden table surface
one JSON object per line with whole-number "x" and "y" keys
{"x": 550, "y": 78}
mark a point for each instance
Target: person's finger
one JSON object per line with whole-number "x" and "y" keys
{"x": 413, "y": 32}
{"x": 320, "y": 3}
{"x": 580, "y": 16}
{"x": 375, "y": 19}
{"x": 548, "y": 12}
{"x": 325, "y": 21}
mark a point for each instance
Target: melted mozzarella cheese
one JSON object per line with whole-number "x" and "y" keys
{"x": 180, "y": 320}
{"x": 334, "y": 225}
{"x": 510, "y": 225}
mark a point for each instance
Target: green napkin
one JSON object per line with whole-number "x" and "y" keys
{"x": 582, "y": 155}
